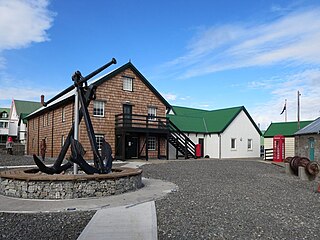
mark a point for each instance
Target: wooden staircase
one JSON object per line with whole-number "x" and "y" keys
{"x": 184, "y": 146}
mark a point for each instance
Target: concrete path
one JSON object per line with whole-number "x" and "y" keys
{"x": 130, "y": 215}
{"x": 130, "y": 222}
{"x": 152, "y": 190}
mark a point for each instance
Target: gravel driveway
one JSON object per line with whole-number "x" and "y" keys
{"x": 216, "y": 199}
{"x": 230, "y": 199}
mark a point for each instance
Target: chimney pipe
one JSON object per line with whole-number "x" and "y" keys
{"x": 42, "y": 100}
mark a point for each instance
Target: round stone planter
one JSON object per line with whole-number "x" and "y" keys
{"x": 32, "y": 184}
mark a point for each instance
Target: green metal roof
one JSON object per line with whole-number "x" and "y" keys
{"x": 205, "y": 121}
{"x": 7, "y": 110}
{"x": 286, "y": 129}
{"x": 26, "y": 107}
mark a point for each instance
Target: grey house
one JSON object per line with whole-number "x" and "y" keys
{"x": 307, "y": 141}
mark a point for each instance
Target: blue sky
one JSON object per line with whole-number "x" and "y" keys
{"x": 201, "y": 54}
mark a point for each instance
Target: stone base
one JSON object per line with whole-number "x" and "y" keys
{"x": 304, "y": 176}
{"x": 21, "y": 184}
{"x": 288, "y": 169}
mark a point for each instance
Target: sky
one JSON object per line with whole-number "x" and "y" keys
{"x": 200, "y": 54}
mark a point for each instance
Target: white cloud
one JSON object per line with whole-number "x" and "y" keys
{"x": 290, "y": 39}
{"x": 170, "y": 96}
{"x": 307, "y": 82}
{"x": 32, "y": 94}
{"x": 23, "y": 22}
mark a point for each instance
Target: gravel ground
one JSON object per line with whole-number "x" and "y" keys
{"x": 216, "y": 199}
{"x": 63, "y": 225}
{"x": 230, "y": 199}
{"x": 16, "y": 160}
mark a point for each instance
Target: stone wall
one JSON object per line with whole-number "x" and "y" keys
{"x": 302, "y": 147}
{"x": 69, "y": 189}
{"x": 17, "y": 149}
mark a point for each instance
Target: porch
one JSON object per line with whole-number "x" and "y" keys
{"x": 141, "y": 137}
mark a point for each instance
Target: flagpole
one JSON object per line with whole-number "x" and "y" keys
{"x": 299, "y": 110}
{"x": 286, "y": 115}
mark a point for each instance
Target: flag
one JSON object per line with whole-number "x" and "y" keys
{"x": 284, "y": 108}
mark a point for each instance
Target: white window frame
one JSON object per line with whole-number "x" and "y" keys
{"x": 63, "y": 114}
{"x": 249, "y": 144}
{"x": 99, "y": 138}
{"x": 62, "y": 140}
{"x": 98, "y": 108}
{"x": 44, "y": 120}
{"x": 152, "y": 143}
{"x": 127, "y": 83}
{"x": 152, "y": 113}
{"x": 235, "y": 144}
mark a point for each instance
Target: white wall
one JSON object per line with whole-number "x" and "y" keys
{"x": 13, "y": 121}
{"x": 22, "y": 129}
{"x": 241, "y": 129}
{"x": 211, "y": 143}
{"x": 4, "y": 131}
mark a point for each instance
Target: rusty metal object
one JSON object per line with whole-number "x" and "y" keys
{"x": 312, "y": 168}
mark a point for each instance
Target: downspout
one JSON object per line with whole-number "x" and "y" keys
{"x": 28, "y": 137}
{"x": 38, "y": 135}
{"x": 52, "y": 133}
{"x": 219, "y": 135}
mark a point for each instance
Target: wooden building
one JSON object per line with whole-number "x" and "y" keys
{"x": 128, "y": 112}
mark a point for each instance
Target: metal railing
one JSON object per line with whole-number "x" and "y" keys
{"x": 141, "y": 121}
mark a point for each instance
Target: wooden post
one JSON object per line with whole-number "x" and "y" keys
{"x": 185, "y": 149}
{"x": 167, "y": 153}
{"x": 177, "y": 151}
{"x": 147, "y": 154}
{"x": 158, "y": 140}
{"x": 123, "y": 146}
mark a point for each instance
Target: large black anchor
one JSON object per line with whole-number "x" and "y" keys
{"x": 103, "y": 162}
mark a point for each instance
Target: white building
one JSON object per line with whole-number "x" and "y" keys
{"x": 223, "y": 134}
{"x": 4, "y": 124}
{"x": 19, "y": 109}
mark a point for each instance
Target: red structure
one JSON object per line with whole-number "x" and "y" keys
{"x": 198, "y": 150}
{"x": 278, "y": 148}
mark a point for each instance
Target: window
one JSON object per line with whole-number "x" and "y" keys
{"x": 99, "y": 141}
{"x": 4, "y": 114}
{"x": 48, "y": 119}
{"x": 249, "y": 144}
{"x": 62, "y": 140}
{"x": 3, "y": 125}
{"x": 63, "y": 114}
{"x": 152, "y": 113}
{"x": 152, "y": 143}
{"x": 127, "y": 83}
{"x": 44, "y": 120}
{"x": 98, "y": 109}
{"x": 233, "y": 144}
